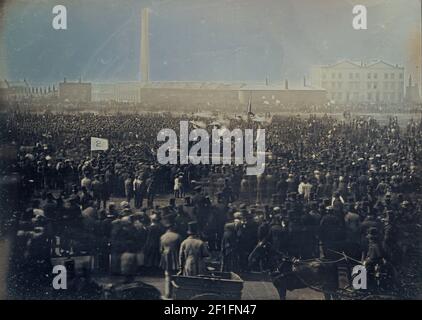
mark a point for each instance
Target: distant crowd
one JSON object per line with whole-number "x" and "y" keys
{"x": 330, "y": 186}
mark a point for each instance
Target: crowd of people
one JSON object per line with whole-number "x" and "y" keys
{"x": 331, "y": 186}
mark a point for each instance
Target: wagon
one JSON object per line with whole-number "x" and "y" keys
{"x": 209, "y": 286}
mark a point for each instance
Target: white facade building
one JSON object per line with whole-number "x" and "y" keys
{"x": 120, "y": 92}
{"x": 350, "y": 82}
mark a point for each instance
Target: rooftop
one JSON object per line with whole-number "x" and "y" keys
{"x": 198, "y": 85}
{"x": 362, "y": 64}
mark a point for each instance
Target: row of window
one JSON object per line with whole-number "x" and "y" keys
{"x": 370, "y": 96}
{"x": 386, "y": 85}
{"x": 349, "y": 96}
{"x": 387, "y": 96}
{"x": 370, "y": 75}
{"x": 356, "y": 85}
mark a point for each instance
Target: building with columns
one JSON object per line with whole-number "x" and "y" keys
{"x": 348, "y": 82}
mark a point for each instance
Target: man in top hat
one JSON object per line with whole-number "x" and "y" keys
{"x": 128, "y": 183}
{"x": 219, "y": 212}
{"x": 374, "y": 254}
{"x": 244, "y": 189}
{"x": 270, "y": 182}
{"x": 248, "y": 237}
{"x": 227, "y": 192}
{"x": 292, "y": 185}
{"x": 281, "y": 186}
{"x": 221, "y": 206}
{"x": 260, "y": 188}
{"x": 278, "y": 234}
{"x": 50, "y": 207}
{"x": 331, "y": 234}
{"x": 192, "y": 253}
{"x": 85, "y": 198}
{"x": 229, "y": 248}
{"x": 104, "y": 192}
{"x": 178, "y": 185}
{"x": 181, "y": 221}
{"x": 172, "y": 204}
{"x": 352, "y": 225}
{"x": 96, "y": 186}
{"x": 150, "y": 190}
{"x": 169, "y": 247}
{"x": 198, "y": 199}
{"x": 152, "y": 244}
{"x": 189, "y": 209}
{"x": 112, "y": 212}
{"x": 139, "y": 189}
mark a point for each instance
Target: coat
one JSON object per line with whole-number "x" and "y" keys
{"x": 169, "y": 247}
{"x": 128, "y": 187}
{"x": 229, "y": 248}
{"x": 192, "y": 254}
{"x": 248, "y": 237}
{"x": 152, "y": 246}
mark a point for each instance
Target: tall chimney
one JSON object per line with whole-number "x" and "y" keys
{"x": 145, "y": 45}
{"x": 286, "y": 84}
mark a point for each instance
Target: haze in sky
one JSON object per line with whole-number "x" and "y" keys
{"x": 218, "y": 40}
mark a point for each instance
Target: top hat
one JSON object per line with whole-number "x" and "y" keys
{"x": 192, "y": 228}
{"x": 168, "y": 220}
{"x": 373, "y": 233}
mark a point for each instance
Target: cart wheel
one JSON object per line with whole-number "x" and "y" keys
{"x": 207, "y": 296}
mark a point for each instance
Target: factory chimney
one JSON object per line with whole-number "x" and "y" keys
{"x": 145, "y": 45}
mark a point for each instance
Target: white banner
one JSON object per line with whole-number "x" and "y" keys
{"x": 99, "y": 144}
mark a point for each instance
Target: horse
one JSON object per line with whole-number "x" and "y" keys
{"x": 289, "y": 273}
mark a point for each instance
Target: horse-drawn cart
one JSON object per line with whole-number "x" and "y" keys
{"x": 209, "y": 286}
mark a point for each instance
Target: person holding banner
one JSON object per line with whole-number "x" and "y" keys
{"x": 99, "y": 144}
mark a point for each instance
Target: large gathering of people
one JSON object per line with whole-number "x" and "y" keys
{"x": 331, "y": 186}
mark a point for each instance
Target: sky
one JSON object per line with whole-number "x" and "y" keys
{"x": 200, "y": 40}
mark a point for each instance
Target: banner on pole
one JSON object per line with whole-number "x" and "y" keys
{"x": 99, "y": 144}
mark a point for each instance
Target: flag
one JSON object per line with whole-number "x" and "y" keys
{"x": 99, "y": 144}
{"x": 258, "y": 119}
{"x": 198, "y": 124}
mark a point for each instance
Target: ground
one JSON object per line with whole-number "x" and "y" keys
{"x": 252, "y": 290}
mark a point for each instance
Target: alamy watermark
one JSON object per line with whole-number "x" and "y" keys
{"x": 359, "y": 276}
{"x": 172, "y": 151}
{"x": 359, "y": 22}
{"x": 60, "y": 280}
